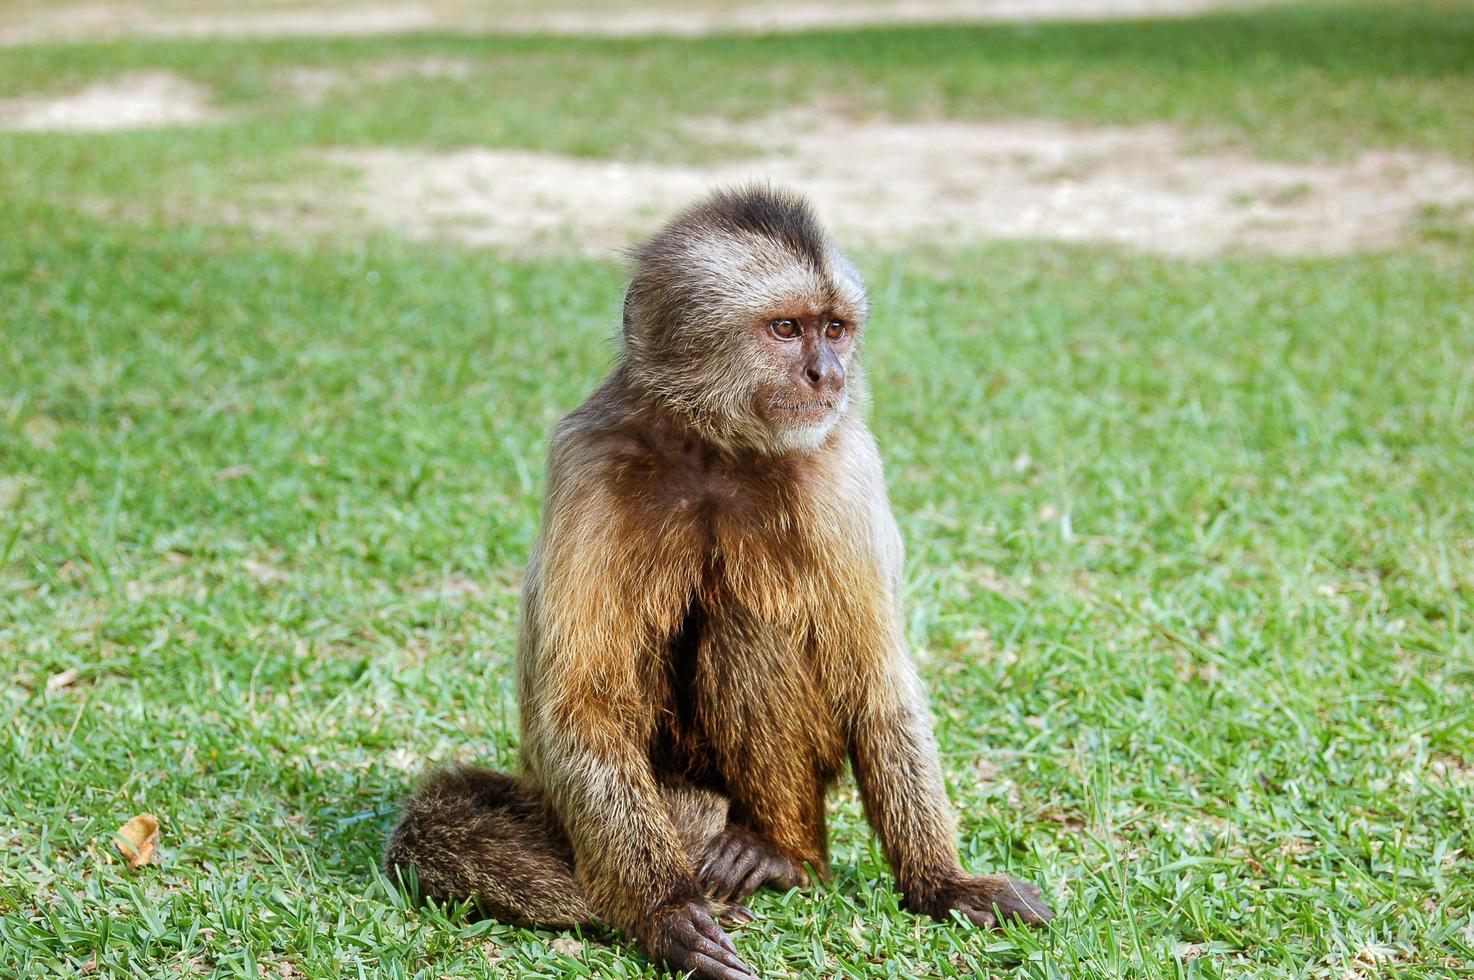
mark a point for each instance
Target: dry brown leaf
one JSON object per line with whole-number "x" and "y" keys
{"x": 137, "y": 839}
{"x": 65, "y": 678}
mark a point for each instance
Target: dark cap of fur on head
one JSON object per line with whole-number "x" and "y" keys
{"x": 738, "y": 250}
{"x": 779, "y": 215}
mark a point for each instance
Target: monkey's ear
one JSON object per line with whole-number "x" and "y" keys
{"x": 627, "y": 317}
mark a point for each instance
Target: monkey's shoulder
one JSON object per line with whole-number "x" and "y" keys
{"x": 672, "y": 483}
{"x": 671, "y": 474}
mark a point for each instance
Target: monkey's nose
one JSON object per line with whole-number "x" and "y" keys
{"x": 825, "y": 374}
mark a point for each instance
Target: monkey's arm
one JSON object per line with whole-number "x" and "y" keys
{"x": 897, "y": 766}
{"x": 591, "y": 609}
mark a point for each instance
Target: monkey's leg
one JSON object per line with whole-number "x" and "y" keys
{"x": 700, "y": 817}
{"x": 472, "y": 833}
{"x": 593, "y": 604}
{"x": 777, "y": 750}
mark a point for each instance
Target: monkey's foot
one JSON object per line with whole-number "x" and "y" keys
{"x": 986, "y": 899}
{"x": 686, "y": 938}
{"x": 738, "y": 863}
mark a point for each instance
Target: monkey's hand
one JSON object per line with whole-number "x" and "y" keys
{"x": 738, "y": 863}
{"x": 985, "y": 900}
{"x": 685, "y": 938}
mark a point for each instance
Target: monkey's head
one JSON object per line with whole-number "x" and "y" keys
{"x": 743, "y": 319}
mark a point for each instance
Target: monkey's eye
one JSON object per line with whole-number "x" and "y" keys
{"x": 784, "y": 329}
{"x": 835, "y": 330}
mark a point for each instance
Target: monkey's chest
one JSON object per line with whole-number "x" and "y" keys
{"x": 745, "y": 530}
{"x": 738, "y": 686}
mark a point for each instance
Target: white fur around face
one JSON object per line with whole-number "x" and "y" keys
{"x": 808, "y": 437}
{"x": 745, "y": 276}
{"x": 803, "y": 439}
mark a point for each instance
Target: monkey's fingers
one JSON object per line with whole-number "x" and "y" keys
{"x": 705, "y": 968}
{"x": 692, "y": 930}
{"x": 991, "y": 899}
{"x": 736, "y": 915}
{"x": 718, "y": 865}
{"x": 713, "y": 932}
{"x": 689, "y": 939}
{"x": 727, "y": 851}
{"x": 734, "y": 885}
{"x": 981, "y": 918}
{"x": 714, "y": 881}
{"x": 690, "y": 943}
{"x": 1020, "y": 899}
{"x": 782, "y": 873}
{"x": 756, "y": 878}
{"x": 724, "y": 878}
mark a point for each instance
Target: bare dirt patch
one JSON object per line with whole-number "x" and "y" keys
{"x": 313, "y": 85}
{"x": 886, "y": 183}
{"x": 150, "y": 18}
{"x": 134, "y": 101}
{"x": 64, "y": 20}
{"x": 699, "y": 20}
{"x": 518, "y": 198}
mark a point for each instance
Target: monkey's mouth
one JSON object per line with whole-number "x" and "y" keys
{"x": 810, "y": 408}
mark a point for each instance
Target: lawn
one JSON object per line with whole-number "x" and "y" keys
{"x": 1190, "y": 543}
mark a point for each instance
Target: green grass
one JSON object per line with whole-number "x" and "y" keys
{"x": 1290, "y": 81}
{"x": 1191, "y": 544}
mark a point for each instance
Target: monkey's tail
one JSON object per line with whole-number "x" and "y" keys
{"x": 471, "y": 833}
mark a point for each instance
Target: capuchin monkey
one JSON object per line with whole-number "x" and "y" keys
{"x": 711, "y": 623}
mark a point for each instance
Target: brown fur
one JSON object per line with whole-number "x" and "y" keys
{"x": 713, "y": 608}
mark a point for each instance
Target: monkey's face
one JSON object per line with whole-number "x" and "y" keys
{"x": 744, "y": 320}
{"x": 806, "y": 355}
{"x": 759, "y": 350}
